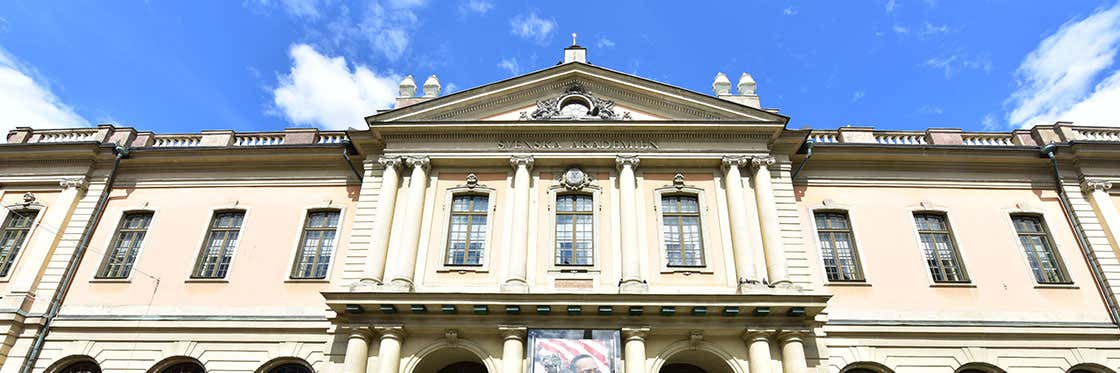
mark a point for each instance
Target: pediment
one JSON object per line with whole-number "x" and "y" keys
{"x": 576, "y": 92}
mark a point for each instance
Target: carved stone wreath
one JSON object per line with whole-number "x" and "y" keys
{"x": 575, "y": 179}
{"x": 597, "y": 108}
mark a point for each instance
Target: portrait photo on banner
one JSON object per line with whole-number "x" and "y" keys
{"x": 574, "y": 351}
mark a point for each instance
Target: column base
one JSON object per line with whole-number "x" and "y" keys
{"x": 633, "y": 287}
{"x": 753, "y": 288}
{"x": 397, "y": 285}
{"x": 365, "y": 285}
{"x": 515, "y": 286}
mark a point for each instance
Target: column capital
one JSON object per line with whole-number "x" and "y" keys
{"x": 390, "y": 162}
{"x": 357, "y": 331}
{"x": 390, "y": 331}
{"x": 735, "y": 161}
{"x": 521, "y": 160}
{"x": 423, "y": 162}
{"x": 1094, "y": 185}
{"x": 626, "y": 160}
{"x": 79, "y": 183}
{"x": 750, "y": 335}
{"x": 517, "y": 332}
{"x": 635, "y": 333}
{"x": 762, "y": 161}
{"x": 786, "y": 336}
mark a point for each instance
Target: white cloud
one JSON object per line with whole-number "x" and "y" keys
{"x": 533, "y": 28}
{"x": 930, "y": 109}
{"x": 604, "y": 43}
{"x": 388, "y": 28}
{"x": 890, "y": 6}
{"x": 475, "y": 6}
{"x": 789, "y": 11}
{"x": 27, "y": 101}
{"x": 901, "y": 30}
{"x": 1058, "y": 80}
{"x": 929, "y": 29}
{"x": 297, "y": 8}
{"x": 858, "y": 95}
{"x": 326, "y": 92}
{"x": 954, "y": 63}
{"x": 510, "y": 65}
{"x": 989, "y": 122}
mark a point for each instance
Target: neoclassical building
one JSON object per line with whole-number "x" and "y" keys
{"x": 575, "y": 219}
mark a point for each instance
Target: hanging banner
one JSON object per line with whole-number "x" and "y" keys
{"x": 574, "y": 351}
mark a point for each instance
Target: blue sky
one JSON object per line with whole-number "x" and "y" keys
{"x": 178, "y": 66}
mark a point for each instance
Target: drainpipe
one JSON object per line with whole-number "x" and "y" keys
{"x": 1049, "y": 151}
{"x": 346, "y": 155}
{"x": 68, "y": 276}
{"x": 808, "y": 154}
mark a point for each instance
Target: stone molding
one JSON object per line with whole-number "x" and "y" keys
{"x": 1095, "y": 185}
{"x": 390, "y": 331}
{"x": 756, "y": 334}
{"x": 622, "y": 161}
{"x": 522, "y": 160}
{"x": 78, "y": 182}
{"x": 729, "y": 161}
{"x": 762, "y": 161}
{"x": 635, "y": 333}
{"x": 390, "y": 162}
{"x": 423, "y": 162}
{"x": 518, "y": 332}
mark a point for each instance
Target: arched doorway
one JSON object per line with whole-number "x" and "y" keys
{"x": 866, "y": 367}
{"x": 695, "y": 361}
{"x": 980, "y": 368}
{"x": 450, "y": 360}
{"x": 184, "y": 367}
{"x": 290, "y": 368}
{"x": 81, "y": 367}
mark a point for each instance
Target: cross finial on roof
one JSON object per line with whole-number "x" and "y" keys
{"x": 573, "y": 38}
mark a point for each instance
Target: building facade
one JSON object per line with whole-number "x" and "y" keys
{"x": 573, "y": 219}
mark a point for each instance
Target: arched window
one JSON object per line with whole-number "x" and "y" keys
{"x": 466, "y": 234}
{"x": 316, "y": 244}
{"x": 184, "y": 367}
{"x": 575, "y": 229}
{"x": 81, "y": 367}
{"x": 15, "y": 230}
{"x": 290, "y": 368}
{"x": 221, "y": 240}
{"x": 681, "y": 231}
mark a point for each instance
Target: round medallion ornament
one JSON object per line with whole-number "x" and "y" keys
{"x": 575, "y": 179}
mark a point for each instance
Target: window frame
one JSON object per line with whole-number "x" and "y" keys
{"x": 207, "y": 229}
{"x": 447, "y": 236}
{"x": 297, "y": 250}
{"x": 705, "y": 226}
{"x": 599, "y": 242}
{"x": 487, "y": 249}
{"x": 99, "y": 275}
{"x": 31, "y": 232}
{"x": 958, "y": 251}
{"x": 1048, "y": 235}
{"x": 855, "y": 244}
{"x": 594, "y": 231}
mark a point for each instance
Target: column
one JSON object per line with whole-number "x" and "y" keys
{"x": 758, "y": 350}
{"x": 516, "y": 278}
{"x": 357, "y": 351}
{"x": 768, "y": 217}
{"x": 389, "y": 352}
{"x": 740, "y": 229}
{"x": 46, "y": 236}
{"x": 793, "y": 352}
{"x": 513, "y": 348}
{"x": 628, "y": 206}
{"x": 386, "y": 203}
{"x": 1102, "y": 201}
{"x": 634, "y": 349}
{"x": 404, "y": 257}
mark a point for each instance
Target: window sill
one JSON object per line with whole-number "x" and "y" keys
{"x": 848, "y": 283}
{"x": 462, "y": 270}
{"x": 307, "y": 280}
{"x": 111, "y": 280}
{"x": 953, "y": 285}
{"x": 207, "y": 280}
{"x": 1056, "y": 286}
{"x": 687, "y": 270}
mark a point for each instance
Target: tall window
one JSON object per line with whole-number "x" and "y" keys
{"x": 680, "y": 229}
{"x": 838, "y": 249}
{"x": 14, "y": 232}
{"x": 575, "y": 232}
{"x": 126, "y": 245}
{"x": 316, "y": 245}
{"x": 941, "y": 253}
{"x": 466, "y": 237}
{"x": 221, "y": 239}
{"x": 1045, "y": 263}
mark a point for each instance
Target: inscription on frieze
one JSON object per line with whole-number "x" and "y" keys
{"x": 577, "y": 145}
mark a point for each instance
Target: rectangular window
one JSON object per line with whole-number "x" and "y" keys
{"x": 575, "y": 232}
{"x": 940, "y": 251}
{"x": 680, "y": 229}
{"x": 15, "y": 230}
{"x": 838, "y": 249}
{"x": 316, "y": 245}
{"x": 1045, "y": 263}
{"x": 126, "y": 245}
{"x": 466, "y": 237}
{"x": 217, "y": 249}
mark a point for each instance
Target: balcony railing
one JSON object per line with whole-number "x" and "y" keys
{"x": 987, "y": 139}
{"x": 258, "y": 139}
{"x": 176, "y": 141}
{"x": 900, "y": 138}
